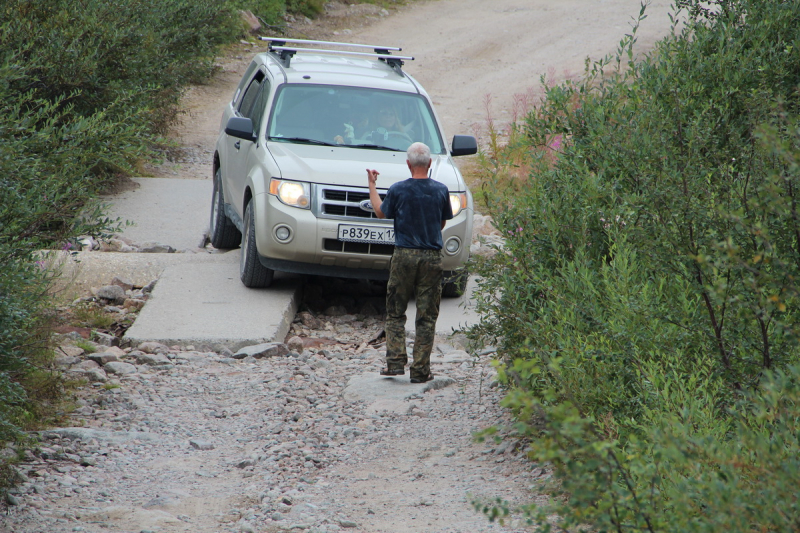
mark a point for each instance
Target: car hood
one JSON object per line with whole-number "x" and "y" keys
{"x": 333, "y": 165}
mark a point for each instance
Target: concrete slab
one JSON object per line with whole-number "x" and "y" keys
{"x": 166, "y": 210}
{"x": 84, "y": 270}
{"x": 206, "y": 305}
{"x": 371, "y": 386}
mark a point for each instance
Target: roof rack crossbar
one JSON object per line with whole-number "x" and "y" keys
{"x": 280, "y": 41}
{"x": 285, "y": 54}
{"x": 277, "y": 46}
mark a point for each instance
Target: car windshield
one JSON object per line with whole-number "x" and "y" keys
{"x": 353, "y": 117}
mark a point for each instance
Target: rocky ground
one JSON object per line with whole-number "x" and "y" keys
{"x": 278, "y": 437}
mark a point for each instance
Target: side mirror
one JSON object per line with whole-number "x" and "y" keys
{"x": 241, "y": 128}
{"x": 464, "y": 145}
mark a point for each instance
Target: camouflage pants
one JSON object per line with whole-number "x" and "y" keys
{"x": 416, "y": 273}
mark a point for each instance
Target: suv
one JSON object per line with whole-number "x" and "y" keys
{"x": 290, "y": 183}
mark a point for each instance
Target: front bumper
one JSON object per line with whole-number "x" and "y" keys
{"x": 312, "y": 245}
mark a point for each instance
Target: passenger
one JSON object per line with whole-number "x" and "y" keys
{"x": 355, "y": 129}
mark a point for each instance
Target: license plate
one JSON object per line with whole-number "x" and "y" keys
{"x": 370, "y": 234}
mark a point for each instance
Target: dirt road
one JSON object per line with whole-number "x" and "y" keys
{"x": 465, "y": 50}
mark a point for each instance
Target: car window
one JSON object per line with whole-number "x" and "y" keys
{"x": 250, "y": 95}
{"x": 260, "y": 105}
{"x": 247, "y": 73}
{"x": 353, "y": 116}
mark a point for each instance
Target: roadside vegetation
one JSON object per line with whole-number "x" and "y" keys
{"x": 646, "y": 300}
{"x": 88, "y": 88}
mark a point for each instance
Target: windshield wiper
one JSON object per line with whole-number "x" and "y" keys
{"x": 302, "y": 140}
{"x": 373, "y": 147}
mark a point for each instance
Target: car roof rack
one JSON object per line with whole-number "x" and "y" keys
{"x": 278, "y": 48}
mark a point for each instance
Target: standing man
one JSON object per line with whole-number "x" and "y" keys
{"x": 420, "y": 207}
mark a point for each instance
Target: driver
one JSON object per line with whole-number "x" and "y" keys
{"x": 388, "y": 123}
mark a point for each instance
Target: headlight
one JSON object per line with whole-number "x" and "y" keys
{"x": 294, "y": 193}
{"x": 458, "y": 201}
{"x": 452, "y": 245}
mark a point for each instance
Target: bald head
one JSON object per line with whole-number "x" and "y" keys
{"x": 418, "y": 155}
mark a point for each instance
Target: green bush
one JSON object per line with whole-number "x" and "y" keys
{"x": 94, "y": 54}
{"x": 86, "y": 87}
{"x": 269, "y": 11}
{"x": 652, "y": 266}
{"x": 309, "y": 8}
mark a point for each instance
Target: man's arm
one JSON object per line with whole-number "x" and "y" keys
{"x": 374, "y": 197}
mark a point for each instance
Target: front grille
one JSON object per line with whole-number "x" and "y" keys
{"x": 333, "y": 245}
{"x": 344, "y": 203}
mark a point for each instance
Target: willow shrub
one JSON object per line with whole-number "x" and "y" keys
{"x": 85, "y": 88}
{"x": 649, "y": 279}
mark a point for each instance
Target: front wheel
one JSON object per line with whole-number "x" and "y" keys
{"x": 252, "y": 273}
{"x": 222, "y": 233}
{"x": 456, "y": 285}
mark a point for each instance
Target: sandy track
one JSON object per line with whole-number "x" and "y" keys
{"x": 467, "y": 49}
{"x": 464, "y": 50}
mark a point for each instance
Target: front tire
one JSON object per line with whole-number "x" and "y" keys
{"x": 456, "y": 285}
{"x": 252, "y": 273}
{"x": 222, "y": 232}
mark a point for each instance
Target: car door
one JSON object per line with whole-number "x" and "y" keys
{"x": 250, "y": 106}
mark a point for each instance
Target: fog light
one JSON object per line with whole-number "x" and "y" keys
{"x": 283, "y": 233}
{"x": 452, "y": 245}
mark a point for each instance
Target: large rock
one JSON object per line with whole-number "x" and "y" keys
{"x": 260, "y": 351}
{"x": 295, "y": 344}
{"x": 153, "y": 347}
{"x": 103, "y": 358}
{"x": 251, "y": 20}
{"x": 112, "y": 293}
{"x": 66, "y": 361}
{"x": 92, "y": 375}
{"x": 125, "y": 283}
{"x": 151, "y": 358}
{"x": 96, "y": 375}
{"x": 69, "y": 350}
{"x": 119, "y": 368}
{"x": 105, "y": 339}
{"x": 86, "y": 365}
{"x": 133, "y": 304}
{"x": 156, "y": 248}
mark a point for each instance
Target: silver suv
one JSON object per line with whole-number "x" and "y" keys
{"x": 290, "y": 182}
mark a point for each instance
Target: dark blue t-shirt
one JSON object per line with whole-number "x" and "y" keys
{"x": 418, "y": 207}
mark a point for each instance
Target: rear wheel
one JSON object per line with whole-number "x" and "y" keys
{"x": 222, "y": 232}
{"x": 456, "y": 285}
{"x": 252, "y": 273}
